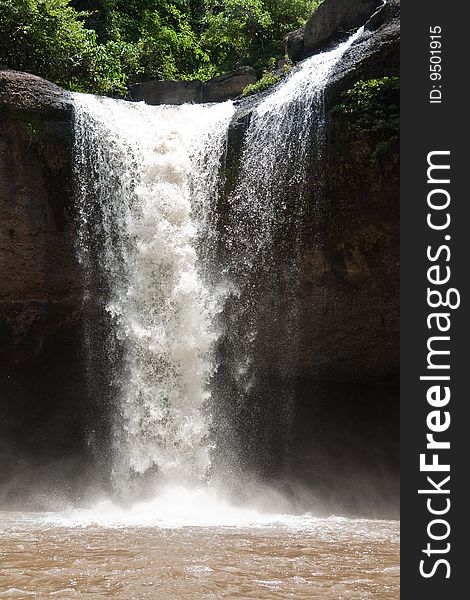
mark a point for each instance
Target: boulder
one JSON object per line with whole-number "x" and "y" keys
{"x": 333, "y": 18}
{"x": 26, "y": 92}
{"x": 218, "y": 89}
{"x": 230, "y": 86}
{"x": 389, "y": 9}
{"x": 167, "y": 92}
{"x": 294, "y": 44}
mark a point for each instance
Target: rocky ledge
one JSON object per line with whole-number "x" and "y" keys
{"x": 218, "y": 89}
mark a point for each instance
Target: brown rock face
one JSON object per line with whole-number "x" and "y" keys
{"x": 218, "y": 89}
{"x": 347, "y": 414}
{"x": 334, "y": 18}
{"x": 167, "y": 92}
{"x": 41, "y": 383}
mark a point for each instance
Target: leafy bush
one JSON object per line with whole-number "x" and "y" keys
{"x": 374, "y": 106}
{"x": 48, "y": 37}
{"x": 271, "y": 76}
{"x": 237, "y": 32}
{"x": 44, "y": 36}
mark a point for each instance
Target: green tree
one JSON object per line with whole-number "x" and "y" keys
{"x": 48, "y": 37}
{"x": 163, "y": 33}
{"x": 286, "y": 16}
{"x": 102, "y": 46}
{"x": 233, "y": 31}
{"x": 250, "y": 32}
{"x": 44, "y": 36}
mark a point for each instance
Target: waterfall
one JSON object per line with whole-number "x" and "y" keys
{"x": 284, "y": 130}
{"x": 142, "y": 213}
{"x": 280, "y": 170}
{"x": 175, "y": 292}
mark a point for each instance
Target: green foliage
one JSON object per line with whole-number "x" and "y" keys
{"x": 167, "y": 45}
{"x": 287, "y": 15}
{"x": 103, "y": 46}
{"x": 48, "y": 37}
{"x": 44, "y": 36}
{"x": 373, "y": 105}
{"x": 267, "y": 80}
{"x": 231, "y": 31}
{"x": 248, "y": 32}
{"x": 271, "y": 76}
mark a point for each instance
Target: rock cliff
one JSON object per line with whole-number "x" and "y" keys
{"x": 42, "y": 395}
{"x": 343, "y": 369}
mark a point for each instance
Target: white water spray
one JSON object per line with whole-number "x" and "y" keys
{"x": 156, "y": 174}
{"x": 279, "y": 189}
{"x": 285, "y": 129}
{"x": 148, "y": 183}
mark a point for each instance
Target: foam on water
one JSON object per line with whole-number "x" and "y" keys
{"x": 176, "y": 507}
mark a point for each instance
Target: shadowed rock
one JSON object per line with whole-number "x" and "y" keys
{"x": 167, "y": 92}
{"x": 43, "y": 399}
{"x": 218, "y": 89}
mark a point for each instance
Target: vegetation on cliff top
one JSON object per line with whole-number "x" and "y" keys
{"x": 103, "y": 46}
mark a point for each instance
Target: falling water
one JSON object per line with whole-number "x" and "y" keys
{"x": 280, "y": 170}
{"x": 186, "y": 266}
{"x": 175, "y": 293}
{"x": 285, "y": 129}
{"x": 141, "y": 215}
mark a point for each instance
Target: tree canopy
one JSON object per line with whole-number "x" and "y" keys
{"x": 103, "y": 46}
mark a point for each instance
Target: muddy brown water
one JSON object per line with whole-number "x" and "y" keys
{"x": 304, "y": 558}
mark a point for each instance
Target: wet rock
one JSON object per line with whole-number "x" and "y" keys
{"x": 43, "y": 398}
{"x": 355, "y": 274}
{"x": 38, "y": 267}
{"x": 388, "y": 10}
{"x": 376, "y": 54}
